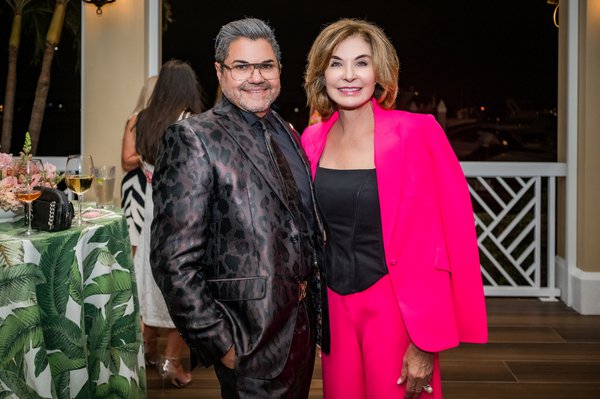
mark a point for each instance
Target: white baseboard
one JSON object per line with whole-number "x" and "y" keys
{"x": 585, "y": 286}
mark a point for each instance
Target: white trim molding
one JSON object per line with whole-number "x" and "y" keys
{"x": 83, "y": 66}
{"x": 154, "y": 33}
{"x": 584, "y": 287}
{"x": 572, "y": 138}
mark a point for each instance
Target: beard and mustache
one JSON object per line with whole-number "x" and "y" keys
{"x": 247, "y": 102}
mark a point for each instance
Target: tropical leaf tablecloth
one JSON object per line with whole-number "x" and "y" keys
{"x": 69, "y": 317}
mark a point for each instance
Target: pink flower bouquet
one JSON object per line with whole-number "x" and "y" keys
{"x": 12, "y": 177}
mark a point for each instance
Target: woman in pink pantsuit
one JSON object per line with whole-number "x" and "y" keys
{"x": 402, "y": 265}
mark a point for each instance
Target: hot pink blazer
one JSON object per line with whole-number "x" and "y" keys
{"x": 428, "y": 227}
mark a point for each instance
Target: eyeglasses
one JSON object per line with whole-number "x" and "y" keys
{"x": 243, "y": 72}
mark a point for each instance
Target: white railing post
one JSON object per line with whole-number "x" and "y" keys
{"x": 551, "y": 237}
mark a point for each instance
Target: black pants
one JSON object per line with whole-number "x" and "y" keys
{"x": 294, "y": 380}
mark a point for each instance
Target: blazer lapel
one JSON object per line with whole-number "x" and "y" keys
{"x": 236, "y": 127}
{"x": 319, "y": 142}
{"x": 295, "y": 138}
{"x": 390, "y": 170}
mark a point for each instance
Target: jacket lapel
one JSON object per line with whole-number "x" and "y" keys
{"x": 319, "y": 142}
{"x": 390, "y": 170}
{"x": 236, "y": 127}
{"x": 295, "y": 138}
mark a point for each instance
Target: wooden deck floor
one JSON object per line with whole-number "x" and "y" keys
{"x": 537, "y": 350}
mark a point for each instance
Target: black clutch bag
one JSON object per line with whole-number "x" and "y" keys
{"x": 52, "y": 211}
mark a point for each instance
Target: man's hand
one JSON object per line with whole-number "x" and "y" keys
{"x": 417, "y": 370}
{"x": 229, "y": 359}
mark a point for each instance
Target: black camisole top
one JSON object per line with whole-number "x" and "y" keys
{"x": 349, "y": 202}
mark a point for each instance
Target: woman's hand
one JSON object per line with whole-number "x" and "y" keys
{"x": 417, "y": 370}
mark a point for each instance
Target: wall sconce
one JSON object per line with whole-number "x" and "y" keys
{"x": 99, "y": 4}
{"x": 555, "y": 15}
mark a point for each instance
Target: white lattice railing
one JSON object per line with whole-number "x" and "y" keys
{"x": 515, "y": 215}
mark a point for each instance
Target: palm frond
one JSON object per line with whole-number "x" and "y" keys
{"x": 76, "y": 284}
{"x": 17, "y": 386}
{"x": 18, "y": 283}
{"x": 54, "y": 263}
{"x": 60, "y": 363}
{"x": 117, "y": 387}
{"x": 97, "y": 328}
{"x": 116, "y": 281}
{"x": 11, "y": 253}
{"x": 65, "y": 336}
{"x": 124, "y": 331}
{"x": 20, "y": 331}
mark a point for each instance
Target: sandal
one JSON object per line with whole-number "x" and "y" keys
{"x": 170, "y": 368}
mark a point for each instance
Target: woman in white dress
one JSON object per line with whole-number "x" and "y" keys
{"x": 177, "y": 94}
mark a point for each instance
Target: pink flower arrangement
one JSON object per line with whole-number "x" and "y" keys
{"x": 12, "y": 177}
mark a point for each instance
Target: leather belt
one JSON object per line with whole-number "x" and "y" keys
{"x": 302, "y": 290}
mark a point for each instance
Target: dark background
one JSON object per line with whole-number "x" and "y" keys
{"x": 61, "y": 126}
{"x": 468, "y": 53}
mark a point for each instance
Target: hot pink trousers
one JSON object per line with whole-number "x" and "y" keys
{"x": 368, "y": 342}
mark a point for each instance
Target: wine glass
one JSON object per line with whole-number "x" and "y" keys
{"x": 78, "y": 177}
{"x": 26, "y": 191}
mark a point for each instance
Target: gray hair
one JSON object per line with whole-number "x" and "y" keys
{"x": 250, "y": 28}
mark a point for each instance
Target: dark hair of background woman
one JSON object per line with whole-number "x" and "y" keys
{"x": 177, "y": 90}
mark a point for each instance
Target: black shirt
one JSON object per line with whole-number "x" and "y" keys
{"x": 349, "y": 203}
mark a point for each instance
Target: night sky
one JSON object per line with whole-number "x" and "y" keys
{"x": 63, "y": 112}
{"x": 466, "y": 52}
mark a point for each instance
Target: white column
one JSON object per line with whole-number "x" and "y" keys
{"x": 154, "y": 36}
{"x": 572, "y": 115}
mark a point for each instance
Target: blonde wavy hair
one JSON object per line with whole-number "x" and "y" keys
{"x": 385, "y": 63}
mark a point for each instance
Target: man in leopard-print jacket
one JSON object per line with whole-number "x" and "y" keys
{"x": 235, "y": 251}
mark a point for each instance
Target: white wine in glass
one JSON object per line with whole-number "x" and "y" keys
{"x": 27, "y": 192}
{"x": 78, "y": 178}
{"x": 79, "y": 184}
